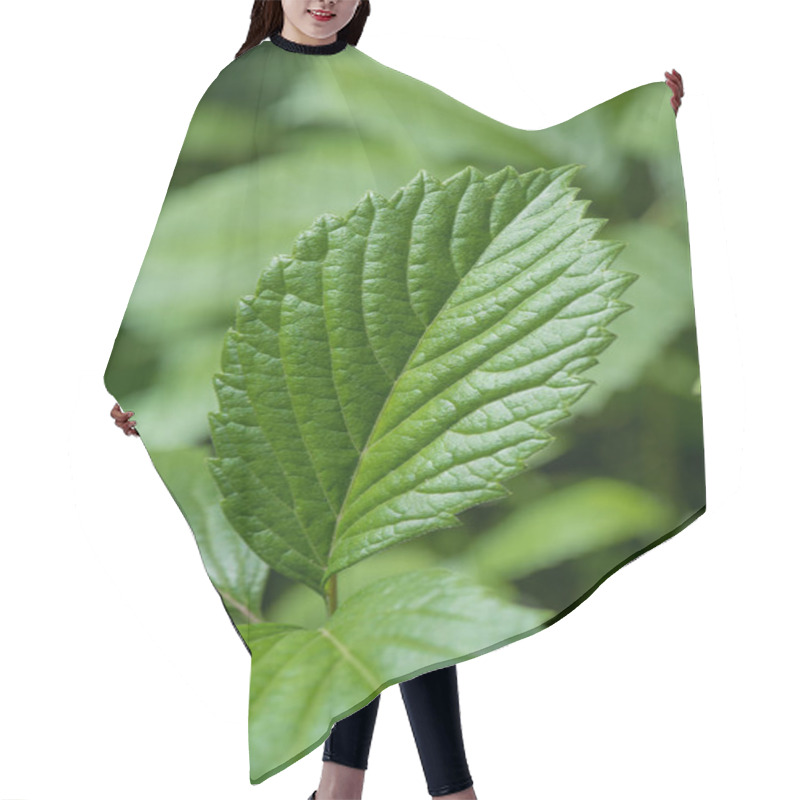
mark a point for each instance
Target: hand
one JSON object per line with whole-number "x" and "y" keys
{"x": 122, "y": 419}
{"x": 675, "y": 82}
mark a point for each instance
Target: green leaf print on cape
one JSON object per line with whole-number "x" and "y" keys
{"x": 381, "y": 358}
{"x": 405, "y": 360}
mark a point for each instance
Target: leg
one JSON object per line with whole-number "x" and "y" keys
{"x": 433, "y": 710}
{"x": 346, "y": 753}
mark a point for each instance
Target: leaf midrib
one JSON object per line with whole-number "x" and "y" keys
{"x": 401, "y": 372}
{"x": 362, "y": 669}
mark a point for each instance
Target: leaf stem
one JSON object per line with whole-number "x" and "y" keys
{"x": 331, "y": 594}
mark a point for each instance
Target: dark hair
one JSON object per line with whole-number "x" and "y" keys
{"x": 266, "y": 18}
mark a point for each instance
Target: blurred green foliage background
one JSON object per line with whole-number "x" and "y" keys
{"x": 277, "y": 141}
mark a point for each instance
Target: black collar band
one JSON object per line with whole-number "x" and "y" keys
{"x": 312, "y": 49}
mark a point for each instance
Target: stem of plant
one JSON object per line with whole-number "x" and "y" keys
{"x": 331, "y": 594}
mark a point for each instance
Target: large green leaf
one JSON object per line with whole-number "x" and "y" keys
{"x": 662, "y": 305}
{"x": 406, "y": 359}
{"x": 301, "y": 681}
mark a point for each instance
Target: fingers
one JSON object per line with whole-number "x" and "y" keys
{"x": 675, "y": 83}
{"x": 122, "y": 419}
{"x": 120, "y": 415}
{"x": 129, "y": 428}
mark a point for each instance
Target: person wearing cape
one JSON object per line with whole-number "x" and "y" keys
{"x": 419, "y": 381}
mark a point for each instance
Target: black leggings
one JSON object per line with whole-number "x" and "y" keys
{"x": 431, "y": 701}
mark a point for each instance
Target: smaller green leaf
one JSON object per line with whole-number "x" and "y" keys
{"x": 298, "y": 605}
{"x": 302, "y": 681}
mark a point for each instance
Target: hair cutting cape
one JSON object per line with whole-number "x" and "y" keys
{"x": 418, "y": 380}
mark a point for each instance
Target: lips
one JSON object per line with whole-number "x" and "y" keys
{"x": 321, "y": 15}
